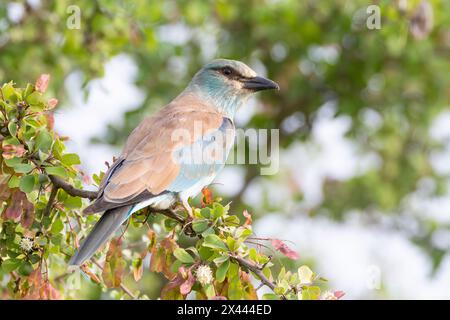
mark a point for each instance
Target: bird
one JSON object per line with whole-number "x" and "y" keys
{"x": 172, "y": 155}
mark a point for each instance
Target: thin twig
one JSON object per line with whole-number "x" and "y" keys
{"x": 59, "y": 183}
{"x": 51, "y": 199}
{"x": 171, "y": 214}
{"x": 256, "y": 270}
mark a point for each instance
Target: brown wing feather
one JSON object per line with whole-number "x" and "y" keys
{"x": 146, "y": 166}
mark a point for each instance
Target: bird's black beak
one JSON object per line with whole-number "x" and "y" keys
{"x": 260, "y": 83}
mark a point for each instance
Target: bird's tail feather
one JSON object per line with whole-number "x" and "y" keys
{"x": 107, "y": 225}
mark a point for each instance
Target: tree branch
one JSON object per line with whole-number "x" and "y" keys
{"x": 59, "y": 183}
{"x": 51, "y": 199}
{"x": 256, "y": 270}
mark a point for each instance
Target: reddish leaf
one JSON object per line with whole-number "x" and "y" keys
{"x": 138, "y": 266}
{"x": 28, "y": 214}
{"x": 48, "y": 292}
{"x": 5, "y": 192}
{"x": 14, "y": 211}
{"x": 19, "y": 150}
{"x": 186, "y": 287}
{"x": 284, "y": 249}
{"x": 245, "y": 277}
{"x": 40, "y": 288}
{"x": 86, "y": 179}
{"x": 114, "y": 265}
{"x": 248, "y": 217}
{"x": 339, "y": 294}
{"x": 157, "y": 259}
{"x": 218, "y": 298}
{"x": 248, "y": 288}
{"x": 180, "y": 285}
{"x": 35, "y": 277}
{"x": 42, "y": 83}
{"x": 52, "y": 103}
{"x": 207, "y": 197}
{"x": 152, "y": 237}
{"x": 20, "y": 208}
{"x": 171, "y": 290}
{"x": 50, "y": 120}
{"x": 10, "y": 151}
{"x": 162, "y": 257}
{"x": 34, "y": 281}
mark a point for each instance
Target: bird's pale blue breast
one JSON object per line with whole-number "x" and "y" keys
{"x": 205, "y": 158}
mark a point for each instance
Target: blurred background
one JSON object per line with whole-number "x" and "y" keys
{"x": 362, "y": 192}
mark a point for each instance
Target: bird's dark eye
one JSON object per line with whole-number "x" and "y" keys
{"x": 227, "y": 71}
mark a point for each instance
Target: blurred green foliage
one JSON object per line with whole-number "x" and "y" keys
{"x": 318, "y": 51}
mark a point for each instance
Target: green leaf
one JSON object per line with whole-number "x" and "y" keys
{"x": 218, "y": 210}
{"x": 35, "y": 258}
{"x": 209, "y": 230}
{"x": 243, "y": 233}
{"x": 253, "y": 254}
{"x": 70, "y": 159}
{"x": 12, "y": 127}
{"x": 270, "y": 296}
{"x": 44, "y": 141}
{"x": 205, "y": 253}
{"x": 34, "y": 98}
{"x": 233, "y": 271}
{"x": 25, "y": 269}
{"x": 206, "y": 213}
{"x": 12, "y": 162}
{"x": 310, "y": 293}
{"x": 221, "y": 259}
{"x": 213, "y": 241}
{"x": 183, "y": 256}
{"x": 266, "y": 271}
{"x": 27, "y": 183}
{"x": 73, "y": 202}
{"x": 43, "y": 156}
{"x": 235, "y": 290}
{"x": 170, "y": 224}
{"x": 8, "y": 90}
{"x": 56, "y": 238}
{"x": 222, "y": 271}
{"x": 10, "y": 265}
{"x": 232, "y": 244}
{"x": 23, "y": 167}
{"x": 210, "y": 291}
{"x": 200, "y": 225}
{"x": 57, "y": 226}
{"x": 232, "y": 221}
{"x": 14, "y": 182}
{"x": 28, "y": 90}
{"x": 56, "y": 171}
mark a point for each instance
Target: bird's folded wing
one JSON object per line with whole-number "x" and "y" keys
{"x": 147, "y": 165}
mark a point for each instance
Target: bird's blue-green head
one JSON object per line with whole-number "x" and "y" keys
{"x": 227, "y": 84}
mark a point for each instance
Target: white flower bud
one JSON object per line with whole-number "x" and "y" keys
{"x": 204, "y": 275}
{"x": 26, "y": 244}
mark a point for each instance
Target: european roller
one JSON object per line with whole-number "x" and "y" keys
{"x": 170, "y": 156}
